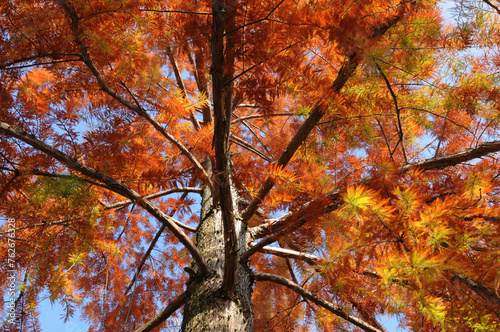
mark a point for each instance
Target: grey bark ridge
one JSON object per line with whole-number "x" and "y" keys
{"x": 208, "y": 306}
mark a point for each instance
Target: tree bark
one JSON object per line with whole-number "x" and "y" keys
{"x": 208, "y": 307}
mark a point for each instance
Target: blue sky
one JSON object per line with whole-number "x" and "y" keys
{"x": 50, "y": 319}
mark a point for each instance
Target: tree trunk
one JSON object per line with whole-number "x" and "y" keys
{"x": 207, "y": 307}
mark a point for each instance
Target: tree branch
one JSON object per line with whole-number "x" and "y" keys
{"x": 288, "y": 253}
{"x": 257, "y": 116}
{"x": 345, "y": 72}
{"x": 314, "y": 117}
{"x": 85, "y": 56}
{"x": 175, "y": 11}
{"x": 333, "y": 200}
{"x": 145, "y": 257}
{"x": 479, "y": 289}
{"x": 152, "y": 196}
{"x": 485, "y": 217}
{"x": 492, "y": 6}
{"x": 48, "y": 223}
{"x": 398, "y": 112}
{"x": 456, "y": 158}
{"x": 152, "y": 245}
{"x": 201, "y": 81}
{"x": 336, "y": 310}
{"x": 114, "y": 185}
{"x": 246, "y": 146}
{"x": 55, "y": 56}
{"x": 164, "y": 315}
{"x": 21, "y": 172}
{"x": 180, "y": 84}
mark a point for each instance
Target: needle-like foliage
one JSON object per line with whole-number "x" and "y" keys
{"x": 230, "y": 165}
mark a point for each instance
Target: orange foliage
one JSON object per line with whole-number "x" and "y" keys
{"x": 393, "y": 190}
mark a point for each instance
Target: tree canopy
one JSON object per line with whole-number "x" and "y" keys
{"x": 226, "y": 165}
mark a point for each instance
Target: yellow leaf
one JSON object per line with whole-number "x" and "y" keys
{"x": 357, "y": 199}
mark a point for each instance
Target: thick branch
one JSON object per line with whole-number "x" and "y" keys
{"x": 482, "y": 291}
{"x": 21, "y": 172}
{"x": 114, "y": 185}
{"x": 318, "y": 111}
{"x": 315, "y": 299}
{"x": 257, "y": 116}
{"x": 456, "y": 158}
{"x": 287, "y": 253}
{"x": 314, "y": 117}
{"x": 492, "y": 6}
{"x": 163, "y": 316}
{"x": 274, "y": 228}
{"x": 333, "y": 200}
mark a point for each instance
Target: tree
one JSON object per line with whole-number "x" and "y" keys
{"x": 281, "y": 165}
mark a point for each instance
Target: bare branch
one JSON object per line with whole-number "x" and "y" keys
{"x": 492, "y": 6}
{"x": 164, "y": 315}
{"x": 398, "y": 111}
{"x": 288, "y": 253}
{"x": 235, "y": 139}
{"x": 180, "y": 84}
{"x": 336, "y": 310}
{"x": 121, "y": 204}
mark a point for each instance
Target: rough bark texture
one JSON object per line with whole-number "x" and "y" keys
{"x": 207, "y": 308}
